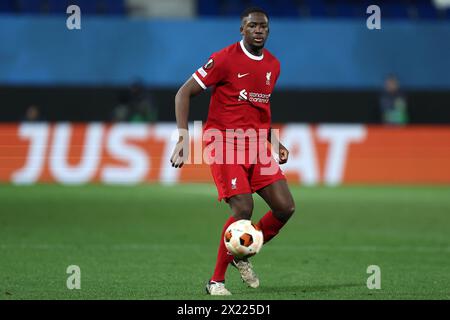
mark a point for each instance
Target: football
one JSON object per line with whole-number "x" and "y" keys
{"x": 243, "y": 239}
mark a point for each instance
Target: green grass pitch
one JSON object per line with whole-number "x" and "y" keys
{"x": 160, "y": 242}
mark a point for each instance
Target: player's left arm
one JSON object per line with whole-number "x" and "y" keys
{"x": 283, "y": 152}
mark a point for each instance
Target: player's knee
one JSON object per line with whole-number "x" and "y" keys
{"x": 243, "y": 210}
{"x": 290, "y": 210}
{"x": 242, "y": 207}
{"x": 285, "y": 212}
{"x": 243, "y": 213}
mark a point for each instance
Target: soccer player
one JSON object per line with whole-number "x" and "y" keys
{"x": 243, "y": 76}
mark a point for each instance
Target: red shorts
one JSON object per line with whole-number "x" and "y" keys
{"x": 233, "y": 179}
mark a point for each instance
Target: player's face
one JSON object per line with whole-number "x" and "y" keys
{"x": 255, "y": 29}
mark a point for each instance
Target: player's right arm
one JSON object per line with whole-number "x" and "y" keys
{"x": 182, "y": 101}
{"x": 208, "y": 75}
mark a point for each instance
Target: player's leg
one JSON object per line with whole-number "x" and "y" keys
{"x": 269, "y": 182}
{"x": 260, "y": 180}
{"x": 242, "y": 207}
{"x": 233, "y": 186}
{"x": 279, "y": 198}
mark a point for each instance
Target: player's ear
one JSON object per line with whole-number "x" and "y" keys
{"x": 241, "y": 30}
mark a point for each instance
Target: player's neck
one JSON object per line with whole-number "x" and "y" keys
{"x": 254, "y": 51}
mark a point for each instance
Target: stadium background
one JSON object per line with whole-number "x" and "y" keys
{"x": 95, "y": 106}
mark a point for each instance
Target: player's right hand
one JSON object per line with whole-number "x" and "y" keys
{"x": 180, "y": 154}
{"x": 283, "y": 154}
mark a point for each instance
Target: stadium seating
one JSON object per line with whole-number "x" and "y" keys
{"x": 8, "y": 6}
{"x": 110, "y": 7}
{"x": 299, "y": 9}
{"x": 392, "y": 9}
{"x": 279, "y": 8}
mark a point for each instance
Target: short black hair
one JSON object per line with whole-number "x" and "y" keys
{"x": 249, "y": 10}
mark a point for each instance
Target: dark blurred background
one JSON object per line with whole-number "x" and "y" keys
{"x": 130, "y": 56}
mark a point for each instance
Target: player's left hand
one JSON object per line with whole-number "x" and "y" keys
{"x": 283, "y": 154}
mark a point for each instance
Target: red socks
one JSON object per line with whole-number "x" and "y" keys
{"x": 270, "y": 226}
{"x": 223, "y": 258}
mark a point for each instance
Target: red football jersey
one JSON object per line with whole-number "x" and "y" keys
{"x": 242, "y": 86}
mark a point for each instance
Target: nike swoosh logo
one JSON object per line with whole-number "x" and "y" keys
{"x": 243, "y": 75}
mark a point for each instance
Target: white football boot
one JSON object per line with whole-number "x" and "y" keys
{"x": 248, "y": 276}
{"x": 217, "y": 289}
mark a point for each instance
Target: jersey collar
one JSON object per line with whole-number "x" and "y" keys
{"x": 248, "y": 54}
